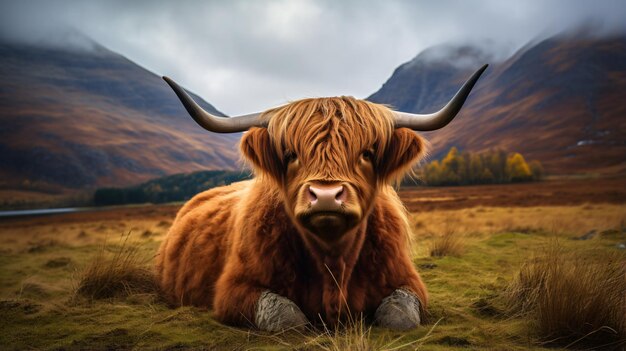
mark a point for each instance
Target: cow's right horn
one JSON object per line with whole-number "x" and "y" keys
{"x": 442, "y": 117}
{"x": 215, "y": 123}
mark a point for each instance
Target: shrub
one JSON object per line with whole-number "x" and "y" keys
{"x": 121, "y": 273}
{"x": 573, "y": 298}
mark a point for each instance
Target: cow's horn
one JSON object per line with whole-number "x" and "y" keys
{"x": 442, "y": 117}
{"x": 215, "y": 123}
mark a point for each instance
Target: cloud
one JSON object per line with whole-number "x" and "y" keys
{"x": 245, "y": 56}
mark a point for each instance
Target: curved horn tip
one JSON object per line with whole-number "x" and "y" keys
{"x": 171, "y": 83}
{"x": 482, "y": 69}
{"x": 441, "y": 118}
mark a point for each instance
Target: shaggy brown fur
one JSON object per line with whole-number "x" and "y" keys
{"x": 229, "y": 244}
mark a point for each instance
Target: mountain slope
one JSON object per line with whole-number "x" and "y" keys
{"x": 81, "y": 119}
{"x": 559, "y": 101}
{"x": 428, "y": 81}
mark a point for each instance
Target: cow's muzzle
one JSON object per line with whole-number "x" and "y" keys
{"x": 328, "y": 213}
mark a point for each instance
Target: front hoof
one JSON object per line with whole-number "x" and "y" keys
{"x": 399, "y": 311}
{"x": 277, "y": 313}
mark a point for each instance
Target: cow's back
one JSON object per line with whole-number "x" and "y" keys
{"x": 193, "y": 252}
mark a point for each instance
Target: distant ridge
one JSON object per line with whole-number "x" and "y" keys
{"x": 560, "y": 101}
{"x": 76, "y": 119}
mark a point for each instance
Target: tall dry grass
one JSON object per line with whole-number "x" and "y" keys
{"x": 122, "y": 272}
{"x": 450, "y": 242}
{"x": 557, "y": 220}
{"x": 356, "y": 335}
{"x": 574, "y": 298}
{"x": 447, "y": 245}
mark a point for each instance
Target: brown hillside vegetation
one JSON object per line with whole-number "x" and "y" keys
{"x": 554, "y": 192}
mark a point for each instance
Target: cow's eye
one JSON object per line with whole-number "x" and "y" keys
{"x": 367, "y": 155}
{"x": 290, "y": 157}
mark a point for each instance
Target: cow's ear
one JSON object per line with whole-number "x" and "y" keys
{"x": 257, "y": 148}
{"x": 401, "y": 154}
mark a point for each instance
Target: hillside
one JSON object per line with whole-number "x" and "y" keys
{"x": 74, "y": 119}
{"x": 559, "y": 101}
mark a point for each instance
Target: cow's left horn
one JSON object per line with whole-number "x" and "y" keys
{"x": 215, "y": 123}
{"x": 442, "y": 117}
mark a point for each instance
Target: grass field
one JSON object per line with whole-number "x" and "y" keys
{"x": 474, "y": 283}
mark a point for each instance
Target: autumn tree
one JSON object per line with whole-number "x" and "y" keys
{"x": 476, "y": 168}
{"x": 493, "y": 166}
{"x": 517, "y": 170}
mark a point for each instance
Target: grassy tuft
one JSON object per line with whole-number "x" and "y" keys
{"x": 119, "y": 272}
{"x": 356, "y": 335}
{"x": 449, "y": 243}
{"x": 573, "y": 298}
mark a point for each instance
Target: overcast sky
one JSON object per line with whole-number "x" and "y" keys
{"x": 245, "y": 56}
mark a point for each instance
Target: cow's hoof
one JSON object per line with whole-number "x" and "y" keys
{"x": 399, "y": 311}
{"x": 277, "y": 313}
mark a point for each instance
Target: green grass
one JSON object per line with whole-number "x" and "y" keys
{"x": 40, "y": 309}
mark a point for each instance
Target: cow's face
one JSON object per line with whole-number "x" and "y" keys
{"x": 329, "y": 157}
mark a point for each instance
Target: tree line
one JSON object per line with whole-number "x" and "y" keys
{"x": 488, "y": 167}
{"x": 178, "y": 187}
{"x": 456, "y": 168}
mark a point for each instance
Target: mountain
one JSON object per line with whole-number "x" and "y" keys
{"x": 560, "y": 101}
{"x": 79, "y": 119}
{"x": 430, "y": 79}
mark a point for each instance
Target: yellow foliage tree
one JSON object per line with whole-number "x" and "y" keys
{"x": 487, "y": 167}
{"x": 517, "y": 169}
{"x": 453, "y": 167}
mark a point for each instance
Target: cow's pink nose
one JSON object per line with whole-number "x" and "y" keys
{"x": 327, "y": 198}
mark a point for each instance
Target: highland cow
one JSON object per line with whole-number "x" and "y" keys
{"x": 319, "y": 235}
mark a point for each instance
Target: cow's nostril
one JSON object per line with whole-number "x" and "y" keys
{"x": 312, "y": 195}
{"x": 341, "y": 195}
